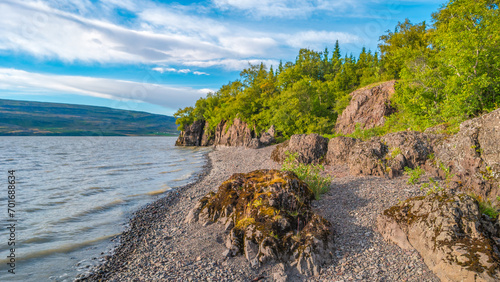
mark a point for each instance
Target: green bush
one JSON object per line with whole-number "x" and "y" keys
{"x": 414, "y": 174}
{"x": 309, "y": 173}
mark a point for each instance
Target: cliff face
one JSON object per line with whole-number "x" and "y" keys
{"x": 192, "y": 134}
{"x": 238, "y": 133}
{"x": 368, "y": 107}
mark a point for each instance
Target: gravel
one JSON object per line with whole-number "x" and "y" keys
{"x": 159, "y": 246}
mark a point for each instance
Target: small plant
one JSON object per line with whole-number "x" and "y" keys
{"x": 447, "y": 173}
{"x": 395, "y": 152}
{"x": 310, "y": 174}
{"x": 273, "y": 235}
{"x": 414, "y": 174}
{"x": 486, "y": 207}
{"x": 432, "y": 189}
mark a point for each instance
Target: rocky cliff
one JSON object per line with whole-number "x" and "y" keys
{"x": 237, "y": 133}
{"x": 368, "y": 107}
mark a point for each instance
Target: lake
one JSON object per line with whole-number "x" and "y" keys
{"x": 74, "y": 194}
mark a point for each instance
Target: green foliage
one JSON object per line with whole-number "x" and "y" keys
{"x": 414, "y": 174}
{"x": 486, "y": 207}
{"x": 306, "y": 96}
{"x": 450, "y": 72}
{"x": 432, "y": 186}
{"x": 447, "y": 72}
{"x": 396, "y": 151}
{"x": 310, "y": 174}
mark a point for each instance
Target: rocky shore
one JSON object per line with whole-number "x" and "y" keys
{"x": 159, "y": 245}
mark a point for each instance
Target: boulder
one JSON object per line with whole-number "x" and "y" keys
{"x": 266, "y": 139}
{"x": 367, "y": 158}
{"x": 254, "y": 144}
{"x": 270, "y": 219}
{"x": 368, "y": 107}
{"x": 473, "y": 155}
{"x": 339, "y": 150}
{"x": 310, "y": 148}
{"x": 192, "y": 134}
{"x": 456, "y": 241}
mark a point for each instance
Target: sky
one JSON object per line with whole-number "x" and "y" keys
{"x": 159, "y": 56}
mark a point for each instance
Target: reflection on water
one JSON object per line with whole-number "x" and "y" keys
{"x": 75, "y": 193}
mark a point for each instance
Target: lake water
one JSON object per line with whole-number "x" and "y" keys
{"x": 73, "y": 194}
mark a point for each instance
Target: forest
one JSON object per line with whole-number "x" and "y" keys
{"x": 447, "y": 72}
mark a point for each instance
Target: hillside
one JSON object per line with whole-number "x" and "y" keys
{"x": 25, "y": 118}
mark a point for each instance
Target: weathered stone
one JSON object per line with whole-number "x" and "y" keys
{"x": 473, "y": 155}
{"x": 254, "y": 144}
{"x": 449, "y": 233}
{"x": 310, "y": 148}
{"x": 366, "y": 158}
{"x": 266, "y": 139}
{"x": 236, "y": 134}
{"x": 272, "y": 131}
{"x": 368, "y": 107}
{"x": 192, "y": 134}
{"x": 339, "y": 149}
{"x": 273, "y": 219}
{"x": 207, "y": 139}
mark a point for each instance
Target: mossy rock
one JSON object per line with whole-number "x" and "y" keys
{"x": 456, "y": 241}
{"x": 268, "y": 217}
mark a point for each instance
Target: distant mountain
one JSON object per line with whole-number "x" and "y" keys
{"x": 26, "y": 118}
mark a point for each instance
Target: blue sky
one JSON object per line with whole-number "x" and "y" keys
{"x": 158, "y": 56}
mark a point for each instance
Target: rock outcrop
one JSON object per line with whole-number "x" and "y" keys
{"x": 237, "y": 133}
{"x": 456, "y": 241}
{"x": 387, "y": 155}
{"x": 368, "y": 107}
{"x": 473, "y": 155}
{"x": 310, "y": 148}
{"x": 267, "y": 217}
{"x": 192, "y": 134}
{"x": 339, "y": 150}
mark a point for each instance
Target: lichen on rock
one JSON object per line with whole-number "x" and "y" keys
{"x": 455, "y": 240}
{"x": 267, "y": 217}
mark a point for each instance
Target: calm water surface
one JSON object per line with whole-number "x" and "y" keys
{"x": 73, "y": 194}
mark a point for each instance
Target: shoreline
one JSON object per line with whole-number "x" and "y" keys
{"x": 128, "y": 238}
{"x": 158, "y": 245}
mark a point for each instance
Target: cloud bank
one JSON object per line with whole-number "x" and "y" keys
{"x": 119, "y": 90}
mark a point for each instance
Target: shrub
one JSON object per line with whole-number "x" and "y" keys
{"x": 309, "y": 173}
{"x": 414, "y": 174}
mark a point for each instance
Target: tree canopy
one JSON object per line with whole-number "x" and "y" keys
{"x": 446, "y": 72}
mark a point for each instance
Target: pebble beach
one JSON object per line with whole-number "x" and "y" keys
{"x": 159, "y": 246}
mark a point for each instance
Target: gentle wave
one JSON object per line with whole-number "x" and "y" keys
{"x": 101, "y": 208}
{"x": 170, "y": 171}
{"x": 184, "y": 177}
{"x": 62, "y": 249}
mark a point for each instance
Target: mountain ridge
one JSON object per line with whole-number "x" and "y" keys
{"x": 29, "y": 118}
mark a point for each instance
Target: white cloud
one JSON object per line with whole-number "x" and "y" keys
{"x": 317, "y": 39}
{"x": 285, "y": 8}
{"x": 147, "y": 91}
{"x": 200, "y": 73}
{"x": 164, "y": 36}
{"x": 185, "y": 71}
